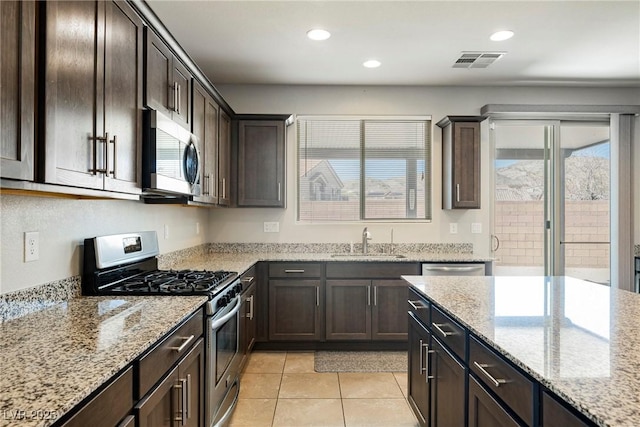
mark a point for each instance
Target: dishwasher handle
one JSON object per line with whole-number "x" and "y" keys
{"x": 453, "y": 270}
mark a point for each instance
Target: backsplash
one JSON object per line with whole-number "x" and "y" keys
{"x": 436, "y": 248}
{"x": 25, "y": 301}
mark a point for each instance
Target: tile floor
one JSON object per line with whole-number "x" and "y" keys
{"x": 281, "y": 389}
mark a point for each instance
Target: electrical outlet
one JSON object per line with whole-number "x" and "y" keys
{"x": 476, "y": 227}
{"x": 453, "y": 227}
{"x": 271, "y": 227}
{"x": 166, "y": 231}
{"x": 31, "y": 246}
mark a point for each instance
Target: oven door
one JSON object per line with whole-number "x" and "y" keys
{"x": 223, "y": 363}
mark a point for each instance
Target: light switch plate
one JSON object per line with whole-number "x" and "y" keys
{"x": 271, "y": 227}
{"x": 476, "y": 227}
{"x": 453, "y": 227}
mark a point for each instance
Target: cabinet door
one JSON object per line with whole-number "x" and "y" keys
{"x": 466, "y": 165}
{"x": 72, "y": 154}
{"x": 348, "y": 313}
{"x": 123, "y": 96}
{"x": 484, "y": 410}
{"x": 224, "y": 160}
{"x": 389, "y": 310}
{"x": 419, "y": 387}
{"x": 17, "y": 89}
{"x": 294, "y": 310}
{"x": 161, "y": 407}
{"x": 158, "y": 66}
{"x": 554, "y": 414}
{"x": 192, "y": 378}
{"x": 181, "y": 80}
{"x": 205, "y": 128}
{"x": 261, "y": 163}
{"x": 448, "y": 392}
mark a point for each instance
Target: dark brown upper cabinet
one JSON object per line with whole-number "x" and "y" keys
{"x": 92, "y": 95}
{"x": 261, "y": 163}
{"x": 460, "y": 162}
{"x": 205, "y": 128}
{"x": 168, "y": 81}
{"x": 17, "y": 92}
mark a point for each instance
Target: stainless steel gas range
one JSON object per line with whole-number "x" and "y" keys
{"x": 127, "y": 264}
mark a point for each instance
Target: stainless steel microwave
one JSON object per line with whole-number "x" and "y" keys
{"x": 170, "y": 158}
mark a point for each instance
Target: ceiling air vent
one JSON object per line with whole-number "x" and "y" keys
{"x": 477, "y": 59}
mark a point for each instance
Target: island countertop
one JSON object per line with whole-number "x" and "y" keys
{"x": 579, "y": 339}
{"x": 52, "y": 359}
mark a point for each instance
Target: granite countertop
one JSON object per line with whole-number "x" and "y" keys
{"x": 242, "y": 261}
{"x": 54, "y": 358}
{"x": 578, "y": 338}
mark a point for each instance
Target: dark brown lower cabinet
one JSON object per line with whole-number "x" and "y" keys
{"x": 180, "y": 395}
{"x": 366, "y": 310}
{"x": 448, "y": 387}
{"x": 555, "y": 414}
{"x": 295, "y": 308}
{"x": 109, "y": 407}
{"x": 484, "y": 410}
{"x": 418, "y": 387}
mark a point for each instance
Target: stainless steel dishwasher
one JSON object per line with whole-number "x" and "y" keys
{"x": 454, "y": 269}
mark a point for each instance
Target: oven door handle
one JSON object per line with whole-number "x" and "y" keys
{"x": 221, "y": 321}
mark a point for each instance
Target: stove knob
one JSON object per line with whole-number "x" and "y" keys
{"x": 238, "y": 288}
{"x": 231, "y": 294}
{"x": 223, "y": 301}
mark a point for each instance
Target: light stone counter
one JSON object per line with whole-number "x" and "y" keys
{"x": 54, "y": 358}
{"x": 577, "y": 338}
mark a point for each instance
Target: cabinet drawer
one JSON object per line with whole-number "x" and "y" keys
{"x": 419, "y": 306}
{"x": 167, "y": 352}
{"x": 109, "y": 407}
{"x": 294, "y": 269}
{"x": 515, "y": 389}
{"x": 448, "y": 331}
{"x": 370, "y": 270}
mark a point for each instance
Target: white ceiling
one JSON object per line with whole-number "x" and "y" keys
{"x": 569, "y": 43}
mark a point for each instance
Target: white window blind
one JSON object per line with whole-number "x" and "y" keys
{"x": 363, "y": 169}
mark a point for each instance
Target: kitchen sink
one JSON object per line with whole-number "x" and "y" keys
{"x": 371, "y": 255}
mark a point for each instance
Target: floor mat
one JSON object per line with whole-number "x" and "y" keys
{"x": 360, "y": 361}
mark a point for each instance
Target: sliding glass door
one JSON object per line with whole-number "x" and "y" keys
{"x": 551, "y": 198}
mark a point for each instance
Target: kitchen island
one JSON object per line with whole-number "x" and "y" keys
{"x": 576, "y": 339}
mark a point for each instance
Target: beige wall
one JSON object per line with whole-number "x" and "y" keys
{"x": 64, "y": 223}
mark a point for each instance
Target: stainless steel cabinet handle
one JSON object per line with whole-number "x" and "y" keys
{"x": 187, "y": 409}
{"x": 421, "y": 358}
{"x": 179, "y": 413}
{"x": 375, "y": 295}
{"x": 368, "y": 295}
{"x": 457, "y": 192}
{"x": 250, "y": 301}
{"x": 175, "y": 96}
{"x": 105, "y": 140}
{"x": 224, "y": 188}
{"x": 114, "y": 141}
{"x": 279, "y": 197}
{"x": 415, "y": 305}
{"x": 482, "y": 367}
{"x": 497, "y": 242}
{"x": 248, "y": 279}
{"x": 178, "y": 96}
{"x": 451, "y": 269}
{"x": 184, "y": 345}
{"x": 318, "y": 296}
{"x": 294, "y": 271}
{"x": 438, "y": 327}
{"x": 427, "y": 368}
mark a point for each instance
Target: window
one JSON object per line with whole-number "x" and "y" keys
{"x": 352, "y": 169}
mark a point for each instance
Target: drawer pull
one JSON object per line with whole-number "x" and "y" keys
{"x": 247, "y": 279}
{"x": 415, "y": 305}
{"x": 294, "y": 271}
{"x": 482, "y": 367}
{"x": 438, "y": 327}
{"x": 184, "y": 344}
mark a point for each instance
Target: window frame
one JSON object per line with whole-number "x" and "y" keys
{"x": 428, "y": 168}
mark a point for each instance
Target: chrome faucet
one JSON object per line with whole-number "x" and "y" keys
{"x": 366, "y": 236}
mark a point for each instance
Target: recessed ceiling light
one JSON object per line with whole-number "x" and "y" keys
{"x": 318, "y": 34}
{"x": 499, "y": 36}
{"x": 372, "y": 63}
